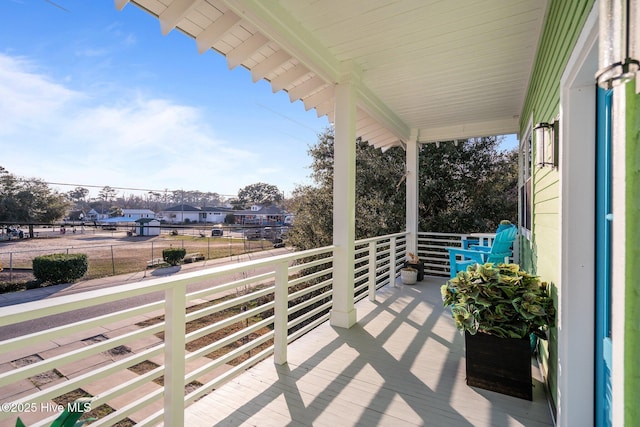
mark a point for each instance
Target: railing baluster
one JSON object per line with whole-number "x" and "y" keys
{"x": 174, "y": 370}
{"x": 280, "y": 313}
{"x": 372, "y": 271}
{"x": 392, "y": 261}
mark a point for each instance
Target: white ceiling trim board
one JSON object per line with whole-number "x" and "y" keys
{"x": 271, "y": 63}
{"x": 470, "y": 130}
{"x": 214, "y": 32}
{"x": 246, "y": 49}
{"x": 174, "y": 13}
{"x": 306, "y": 88}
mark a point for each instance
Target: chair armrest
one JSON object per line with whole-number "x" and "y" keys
{"x": 477, "y": 256}
{"x": 481, "y": 248}
{"x": 467, "y": 243}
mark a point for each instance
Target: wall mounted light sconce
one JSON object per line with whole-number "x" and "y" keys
{"x": 619, "y": 42}
{"x": 545, "y": 144}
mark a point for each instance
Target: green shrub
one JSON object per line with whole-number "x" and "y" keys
{"x": 173, "y": 256}
{"x": 60, "y": 268}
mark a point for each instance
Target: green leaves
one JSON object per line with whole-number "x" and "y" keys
{"x": 380, "y": 194}
{"x": 502, "y": 300}
{"x": 29, "y": 200}
{"x": 468, "y": 186}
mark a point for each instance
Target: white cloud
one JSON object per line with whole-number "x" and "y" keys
{"x": 125, "y": 140}
{"x": 26, "y": 96}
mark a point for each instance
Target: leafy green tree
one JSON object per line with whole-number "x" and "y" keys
{"x": 463, "y": 188}
{"x": 468, "y": 187}
{"x": 380, "y": 194}
{"x": 78, "y": 194}
{"x": 107, "y": 193}
{"x": 259, "y": 194}
{"x": 313, "y": 225}
{"x": 29, "y": 201}
{"x": 115, "y": 211}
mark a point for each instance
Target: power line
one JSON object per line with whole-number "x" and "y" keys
{"x": 124, "y": 188}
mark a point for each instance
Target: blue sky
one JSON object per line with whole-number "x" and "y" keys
{"x": 97, "y": 97}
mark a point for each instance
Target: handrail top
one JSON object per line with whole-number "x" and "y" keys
{"x": 15, "y": 313}
{"x": 386, "y": 236}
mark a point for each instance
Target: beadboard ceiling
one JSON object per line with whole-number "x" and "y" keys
{"x": 425, "y": 70}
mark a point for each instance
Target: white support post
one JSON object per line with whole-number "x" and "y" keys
{"x": 392, "y": 261}
{"x": 619, "y": 257}
{"x": 174, "y": 364}
{"x": 372, "y": 271}
{"x": 280, "y": 313}
{"x": 343, "y": 313}
{"x": 412, "y": 193}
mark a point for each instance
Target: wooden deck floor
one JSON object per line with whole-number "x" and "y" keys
{"x": 403, "y": 364}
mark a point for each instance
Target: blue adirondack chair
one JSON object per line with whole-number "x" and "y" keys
{"x": 504, "y": 224}
{"x": 497, "y": 253}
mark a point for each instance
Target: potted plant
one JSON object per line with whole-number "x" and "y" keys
{"x": 498, "y": 308}
{"x": 413, "y": 261}
{"x": 409, "y": 275}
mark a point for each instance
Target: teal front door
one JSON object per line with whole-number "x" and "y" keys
{"x": 603, "y": 261}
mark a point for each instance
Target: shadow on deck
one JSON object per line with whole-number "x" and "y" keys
{"x": 403, "y": 364}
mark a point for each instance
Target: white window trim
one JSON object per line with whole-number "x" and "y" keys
{"x": 524, "y": 232}
{"x": 576, "y": 346}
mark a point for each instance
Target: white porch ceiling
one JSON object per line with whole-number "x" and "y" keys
{"x": 424, "y": 69}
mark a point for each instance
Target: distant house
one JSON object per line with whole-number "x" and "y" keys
{"x": 215, "y": 214}
{"x": 97, "y": 214}
{"x": 138, "y": 213}
{"x": 261, "y": 215}
{"x": 180, "y": 214}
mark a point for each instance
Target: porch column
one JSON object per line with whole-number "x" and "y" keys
{"x": 412, "y": 192}
{"x": 343, "y": 313}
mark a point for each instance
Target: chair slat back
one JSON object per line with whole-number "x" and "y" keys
{"x": 502, "y": 245}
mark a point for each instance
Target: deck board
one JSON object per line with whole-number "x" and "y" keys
{"x": 401, "y": 365}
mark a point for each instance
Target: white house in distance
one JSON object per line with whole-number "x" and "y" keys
{"x": 215, "y": 214}
{"x": 255, "y": 215}
{"x": 97, "y": 214}
{"x": 138, "y": 213}
{"x": 180, "y": 214}
{"x": 261, "y": 215}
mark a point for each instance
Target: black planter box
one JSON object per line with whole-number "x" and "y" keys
{"x": 498, "y": 364}
{"x": 419, "y": 267}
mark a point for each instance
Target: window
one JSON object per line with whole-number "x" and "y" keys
{"x": 525, "y": 189}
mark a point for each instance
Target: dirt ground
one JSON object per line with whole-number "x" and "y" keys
{"x": 113, "y": 252}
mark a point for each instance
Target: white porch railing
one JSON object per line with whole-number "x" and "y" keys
{"x": 432, "y": 249}
{"x": 244, "y": 313}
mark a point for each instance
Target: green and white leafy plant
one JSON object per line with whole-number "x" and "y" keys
{"x": 500, "y": 300}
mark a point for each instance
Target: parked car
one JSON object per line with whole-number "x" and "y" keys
{"x": 217, "y": 232}
{"x": 253, "y": 233}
